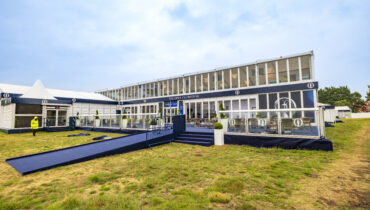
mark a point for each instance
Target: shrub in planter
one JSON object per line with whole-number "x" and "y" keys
{"x": 124, "y": 119}
{"x": 218, "y": 125}
{"x": 218, "y": 134}
{"x": 97, "y": 119}
{"x": 78, "y": 119}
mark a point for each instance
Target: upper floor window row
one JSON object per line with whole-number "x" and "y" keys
{"x": 273, "y": 72}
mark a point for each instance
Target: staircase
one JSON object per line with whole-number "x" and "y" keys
{"x": 196, "y": 138}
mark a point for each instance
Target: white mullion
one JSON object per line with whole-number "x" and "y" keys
{"x": 290, "y": 112}
{"x": 201, "y": 83}
{"x": 257, "y": 75}
{"x": 302, "y": 105}
{"x": 247, "y": 75}
{"x": 268, "y": 105}
{"x": 231, "y": 79}
{"x": 189, "y": 84}
{"x": 277, "y": 72}
{"x": 287, "y": 69}
{"x": 215, "y": 80}
{"x": 223, "y": 80}
{"x": 178, "y": 86}
{"x": 312, "y": 67}
{"x": 208, "y": 84}
{"x": 238, "y": 77}
{"x": 300, "y": 68}
{"x": 266, "y": 74}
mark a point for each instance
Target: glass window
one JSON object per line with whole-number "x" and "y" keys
{"x": 181, "y": 85}
{"x": 199, "y": 82}
{"x": 283, "y": 77}
{"x": 252, "y": 75}
{"x": 262, "y": 101}
{"x": 273, "y": 103}
{"x": 28, "y": 109}
{"x": 308, "y": 100}
{"x": 226, "y": 78}
{"x": 296, "y": 99}
{"x": 306, "y": 67}
{"x": 219, "y": 80}
{"x": 211, "y": 81}
{"x": 205, "y": 82}
{"x": 293, "y": 69}
{"x": 284, "y": 101}
{"x": 175, "y": 86}
{"x": 261, "y": 74}
{"x": 170, "y": 86}
{"x": 296, "y": 103}
{"x": 227, "y": 106}
{"x": 199, "y": 110}
{"x": 160, "y": 89}
{"x": 24, "y": 121}
{"x": 212, "y": 109}
{"x": 155, "y": 89}
{"x": 205, "y": 110}
{"x": 243, "y": 76}
{"x": 187, "y": 84}
{"x": 192, "y": 84}
{"x": 165, "y": 87}
{"x": 234, "y": 77}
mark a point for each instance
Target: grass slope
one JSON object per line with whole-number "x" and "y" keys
{"x": 172, "y": 176}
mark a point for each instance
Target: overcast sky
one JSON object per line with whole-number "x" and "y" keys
{"x": 91, "y": 45}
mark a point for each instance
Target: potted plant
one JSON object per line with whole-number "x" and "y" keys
{"x": 124, "y": 119}
{"x": 97, "y": 119}
{"x": 223, "y": 118}
{"x": 78, "y": 121}
{"x": 153, "y": 123}
{"x": 218, "y": 134}
{"x": 161, "y": 118}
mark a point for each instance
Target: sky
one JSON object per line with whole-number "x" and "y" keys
{"x": 91, "y": 45}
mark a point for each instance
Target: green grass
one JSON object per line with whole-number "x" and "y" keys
{"x": 172, "y": 176}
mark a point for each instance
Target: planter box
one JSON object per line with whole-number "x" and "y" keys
{"x": 124, "y": 123}
{"x": 225, "y": 124}
{"x": 78, "y": 122}
{"x": 97, "y": 123}
{"x": 219, "y": 136}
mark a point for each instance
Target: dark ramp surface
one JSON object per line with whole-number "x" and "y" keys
{"x": 46, "y": 160}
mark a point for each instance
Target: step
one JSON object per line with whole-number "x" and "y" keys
{"x": 193, "y": 139}
{"x": 202, "y": 143}
{"x": 200, "y": 133}
{"x": 196, "y": 135}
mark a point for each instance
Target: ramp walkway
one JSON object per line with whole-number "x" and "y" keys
{"x": 46, "y": 160}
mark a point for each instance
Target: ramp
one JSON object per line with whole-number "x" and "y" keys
{"x": 51, "y": 159}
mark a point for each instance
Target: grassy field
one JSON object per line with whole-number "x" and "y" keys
{"x": 178, "y": 176}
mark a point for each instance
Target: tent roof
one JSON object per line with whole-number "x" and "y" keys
{"x": 20, "y": 89}
{"x": 38, "y": 91}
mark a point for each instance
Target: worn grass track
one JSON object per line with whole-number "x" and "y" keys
{"x": 178, "y": 176}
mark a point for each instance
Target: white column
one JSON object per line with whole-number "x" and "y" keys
{"x": 208, "y": 82}
{"x": 238, "y": 77}
{"x": 257, "y": 75}
{"x": 247, "y": 69}
{"x": 178, "y": 86}
{"x": 277, "y": 72}
{"x": 266, "y": 74}
{"x": 201, "y": 83}
{"x": 287, "y": 68}
{"x": 300, "y": 68}
{"x": 223, "y": 79}
{"x": 231, "y": 79}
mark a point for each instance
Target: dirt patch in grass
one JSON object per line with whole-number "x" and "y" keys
{"x": 346, "y": 182}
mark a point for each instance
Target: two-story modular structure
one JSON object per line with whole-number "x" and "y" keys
{"x": 286, "y": 82}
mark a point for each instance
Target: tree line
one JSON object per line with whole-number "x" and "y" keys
{"x": 342, "y": 96}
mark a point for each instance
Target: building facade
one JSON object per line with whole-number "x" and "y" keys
{"x": 281, "y": 83}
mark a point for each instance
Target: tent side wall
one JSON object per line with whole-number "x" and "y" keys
{"x": 7, "y": 113}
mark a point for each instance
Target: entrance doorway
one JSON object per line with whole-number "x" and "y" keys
{"x": 56, "y": 116}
